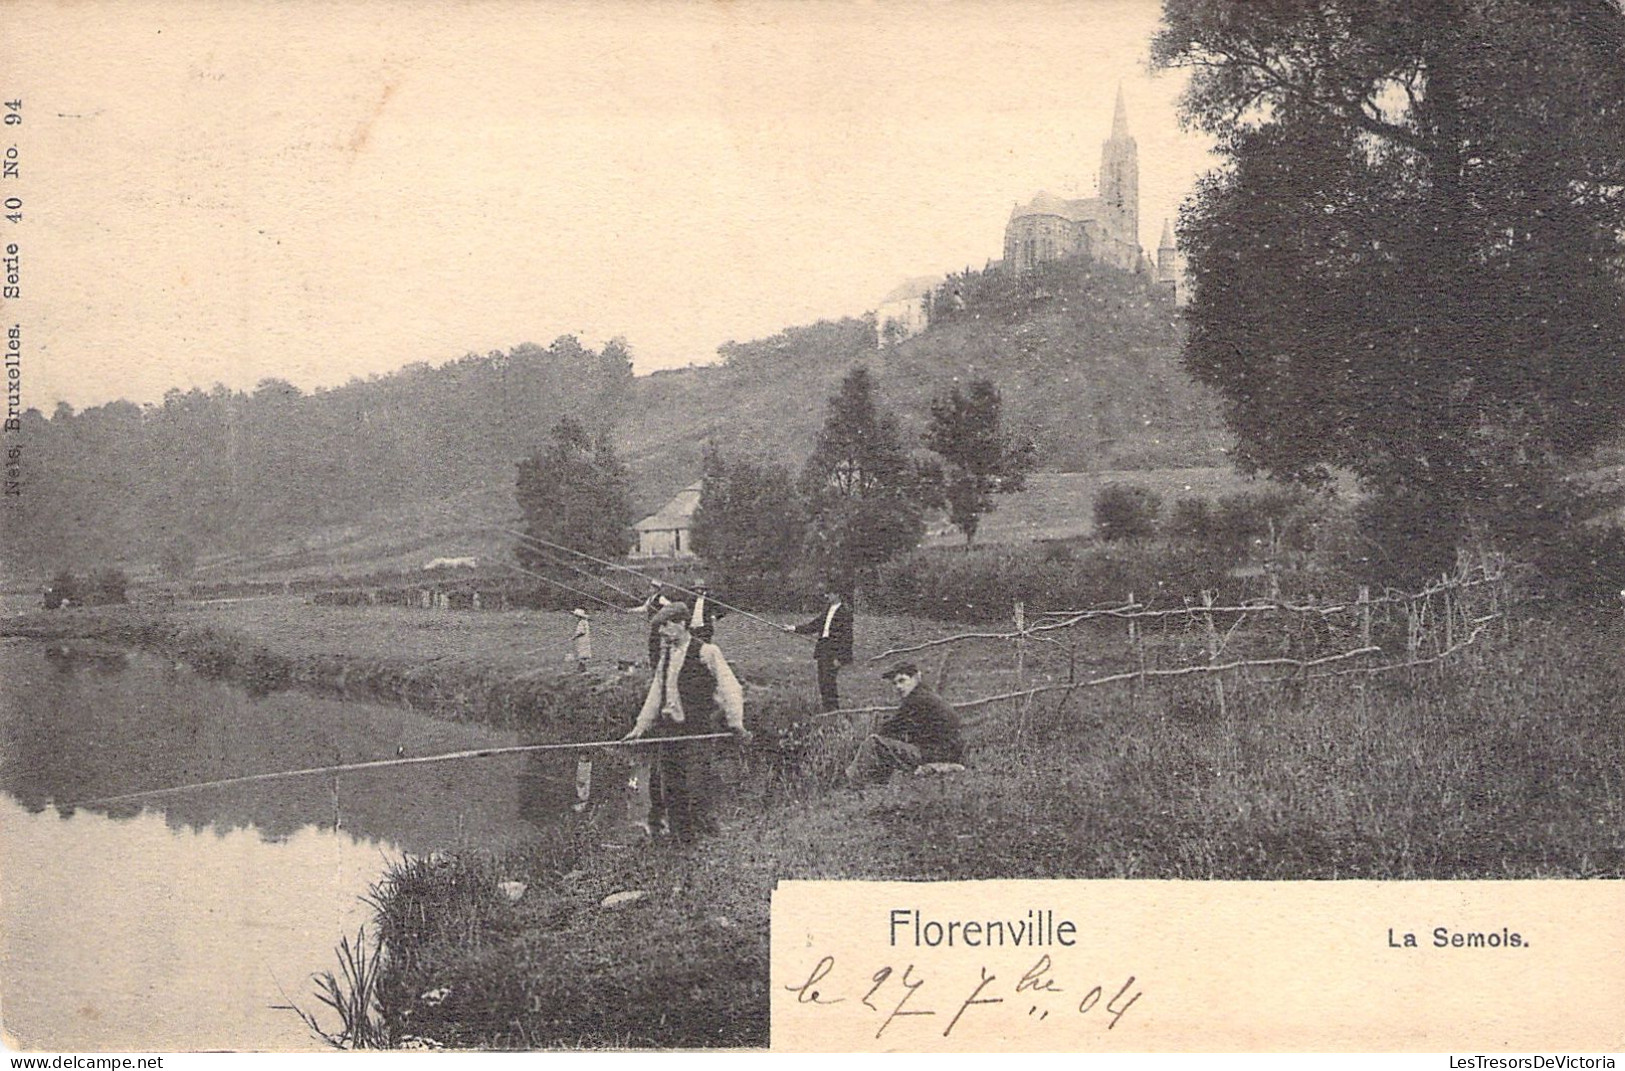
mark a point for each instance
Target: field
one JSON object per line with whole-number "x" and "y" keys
{"x": 1502, "y": 762}
{"x": 534, "y": 641}
{"x": 1055, "y": 505}
{"x": 1060, "y": 505}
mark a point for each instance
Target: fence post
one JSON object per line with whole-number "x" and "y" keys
{"x": 1414, "y": 618}
{"x": 1213, "y": 648}
{"x": 1133, "y": 636}
{"x": 1364, "y": 602}
{"x": 1450, "y": 607}
{"x": 1021, "y": 645}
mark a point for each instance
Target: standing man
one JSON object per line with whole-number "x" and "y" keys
{"x": 658, "y": 600}
{"x": 924, "y": 730}
{"x": 703, "y": 618}
{"x": 833, "y": 648}
{"x": 692, "y": 692}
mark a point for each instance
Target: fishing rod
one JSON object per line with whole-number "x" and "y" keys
{"x": 557, "y": 560}
{"x": 558, "y": 584}
{"x": 579, "y": 553}
{"x": 376, "y": 764}
{"x": 626, "y": 568}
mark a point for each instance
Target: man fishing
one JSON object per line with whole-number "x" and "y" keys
{"x": 833, "y": 647}
{"x": 657, "y": 600}
{"x": 693, "y": 691}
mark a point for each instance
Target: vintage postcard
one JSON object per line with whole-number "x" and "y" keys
{"x": 813, "y": 527}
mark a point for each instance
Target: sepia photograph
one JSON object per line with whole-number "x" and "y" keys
{"x": 820, "y": 526}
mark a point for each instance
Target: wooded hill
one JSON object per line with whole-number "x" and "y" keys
{"x": 412, "y": 464}
{"x": 1087, "y": 359}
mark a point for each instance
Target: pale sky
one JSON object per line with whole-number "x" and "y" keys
{"x": 231, "y": 191}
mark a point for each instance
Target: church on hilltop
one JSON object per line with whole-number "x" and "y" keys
{"x": 1105, "y": 229}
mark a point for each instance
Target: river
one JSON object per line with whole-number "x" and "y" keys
{"x": 182, "y": 922}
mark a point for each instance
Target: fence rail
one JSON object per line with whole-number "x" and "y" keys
{"x": 1437, "y": 622}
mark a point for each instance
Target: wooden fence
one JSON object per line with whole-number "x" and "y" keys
{"x": 1267, "y": 640}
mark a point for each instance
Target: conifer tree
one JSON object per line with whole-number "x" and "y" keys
{"x": 980, "y": 459}
{"x": 861, "y": 488}
{"x": 573, "y": 492}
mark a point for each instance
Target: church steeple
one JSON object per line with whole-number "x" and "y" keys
{"x": 1120, "y": 184}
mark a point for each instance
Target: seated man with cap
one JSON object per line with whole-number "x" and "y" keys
{"x": 924, "y": 732}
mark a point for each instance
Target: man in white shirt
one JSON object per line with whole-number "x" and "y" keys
{"x": 833, "y": 648}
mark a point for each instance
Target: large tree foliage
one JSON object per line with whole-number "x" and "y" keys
{"x": 574, "y": 493}
{"x": 748, "y": 523}
{"x": 861, "y": 488}
{"x": 979, "y": 457}
{"x": 1410, "y": 266}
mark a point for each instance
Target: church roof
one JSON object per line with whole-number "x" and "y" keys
{"x": 1047, "y": 204}
{"x": 1167, "y": 236}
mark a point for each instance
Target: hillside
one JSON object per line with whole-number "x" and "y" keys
{"x": 420, "y": 463}
{"x": 1087, "y": 360}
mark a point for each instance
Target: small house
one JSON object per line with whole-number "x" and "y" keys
{"x": 667, "y": 533}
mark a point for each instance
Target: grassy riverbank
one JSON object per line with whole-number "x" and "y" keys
{"x": 277, "y": 641}
{"x": 1504, "y": 762}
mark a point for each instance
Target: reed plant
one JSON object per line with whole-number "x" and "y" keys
{"x": 352, "y": 995}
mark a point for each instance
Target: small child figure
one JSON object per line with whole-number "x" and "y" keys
{"x": 582, "y": 639}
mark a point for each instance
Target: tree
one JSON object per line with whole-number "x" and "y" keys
{"x": 980, "y": 459}
{"x": 1411, "y": 265}
{"x": 1126, "y": 511}
{"x": 861, "y": 488}
{"x": 747, "y": 519}
{"x": 573, "y": 492}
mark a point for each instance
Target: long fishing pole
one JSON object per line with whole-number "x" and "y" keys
{"x": 376, "y": 764}
{"x": 626, "y": 568}
{"x": 583, "y": 554}
{"x": 557, "y": 560}
{"x": 558, "y": 584}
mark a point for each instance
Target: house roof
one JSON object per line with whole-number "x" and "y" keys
{"x": 674, "y": 514}
{"x": 913, "y": 289}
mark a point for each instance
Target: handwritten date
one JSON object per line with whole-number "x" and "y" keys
{"x": 892, "y": 994}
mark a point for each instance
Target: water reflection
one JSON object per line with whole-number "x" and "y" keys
{"x": 130, "y": 935}
{"x": 82, "y": 722}
{"x": 179, "y": 922}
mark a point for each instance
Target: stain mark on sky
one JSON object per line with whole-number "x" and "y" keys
{"x": 363, "y": 131}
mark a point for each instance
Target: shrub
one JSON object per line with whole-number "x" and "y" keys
{"x": 1589, "y": 566}
{"x": 1272, "y": 519}
{"x": 980, "y": 585}
{"x": 1126, "y": 511}
{"x": 1192, "y": 521}
{"x": 1410, "y": 540}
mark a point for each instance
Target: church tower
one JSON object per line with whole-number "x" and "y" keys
{"x": 1120, "y": 186}
{"x": 1167, "y": 256}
